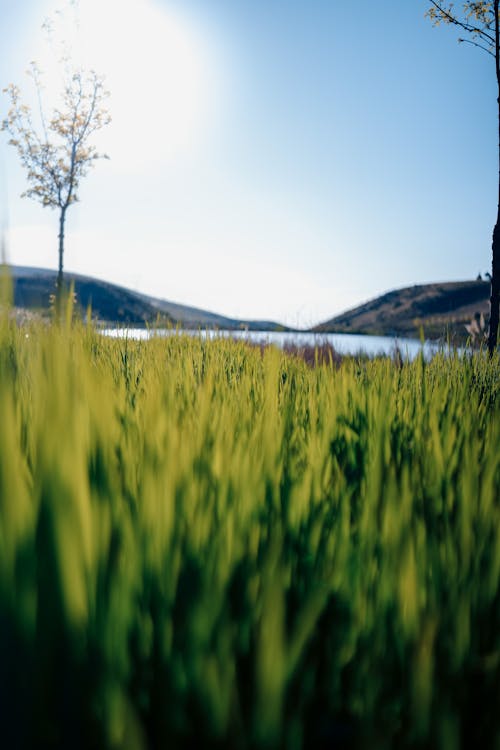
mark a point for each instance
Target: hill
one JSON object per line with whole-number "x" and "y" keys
{"x": 439, "y": 309}
{"x": 114, "y": 304}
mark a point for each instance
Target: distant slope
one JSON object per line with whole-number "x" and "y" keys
{"x": 117, "y": 305}
{"x": 438, "y": 308}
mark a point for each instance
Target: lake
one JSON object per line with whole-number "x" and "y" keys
{"x": 343, "y": 343}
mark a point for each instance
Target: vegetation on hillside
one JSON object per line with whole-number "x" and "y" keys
{"x": 209, "y": 544}
{"x": 33, "y": 289}
{"x": 440, "y": 310}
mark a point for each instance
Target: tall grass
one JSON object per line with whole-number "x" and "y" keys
{"x": 204, "y": 544}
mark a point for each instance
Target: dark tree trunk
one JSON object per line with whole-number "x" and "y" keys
{"x": 495, "y": 264}
{"x": 495, "y": 289}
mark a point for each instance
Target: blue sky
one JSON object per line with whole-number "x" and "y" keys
{"x": 271, "y": 158}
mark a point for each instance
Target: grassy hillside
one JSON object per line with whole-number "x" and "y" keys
{"x": 439, "y": 308}
{"x": 110, "y": 303}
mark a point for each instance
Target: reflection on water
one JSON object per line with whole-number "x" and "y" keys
{"x": 343, "y": 343}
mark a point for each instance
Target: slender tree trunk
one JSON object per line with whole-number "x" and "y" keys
{"x": 495, "y": 264}
{"x": 60, "y": 272}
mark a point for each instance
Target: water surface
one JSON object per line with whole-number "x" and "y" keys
{"x": 343, "y": 343}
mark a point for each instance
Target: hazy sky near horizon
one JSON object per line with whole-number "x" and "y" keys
{"x": 274, "y": 159}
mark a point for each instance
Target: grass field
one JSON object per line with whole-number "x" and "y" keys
{"x": 209, "y": 545}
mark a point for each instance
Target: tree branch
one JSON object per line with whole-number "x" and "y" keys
{"x": 468, "y": 27}
{"x": 475, "y": 44}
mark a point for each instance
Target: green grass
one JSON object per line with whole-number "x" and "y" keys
{"x": 206, "y": 545}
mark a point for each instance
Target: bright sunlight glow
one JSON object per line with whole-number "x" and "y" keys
{"x": 156, "y": 67}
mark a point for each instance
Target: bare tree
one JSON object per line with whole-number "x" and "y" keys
{"x": 56, "y": 152}
{"x": 479, "y": 21}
